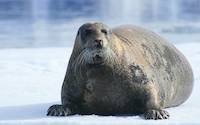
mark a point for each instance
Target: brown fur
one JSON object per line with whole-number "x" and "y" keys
{"x": 135, "y": 71}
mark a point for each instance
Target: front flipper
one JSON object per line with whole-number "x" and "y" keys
{"x": 58, "y": 110}
{"x": 156, "y": 114}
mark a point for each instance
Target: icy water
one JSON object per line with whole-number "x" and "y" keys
{"x": 20, "y": 34}
{"x": 54, "y": 23}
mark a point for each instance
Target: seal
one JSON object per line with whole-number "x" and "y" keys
{"x": 126, "y": 70}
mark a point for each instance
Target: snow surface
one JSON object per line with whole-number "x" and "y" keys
{"x": 31, "y": 80}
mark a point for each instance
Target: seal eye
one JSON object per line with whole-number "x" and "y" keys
{"x": 104, "y": 31}
{"x": 88, "y": 31}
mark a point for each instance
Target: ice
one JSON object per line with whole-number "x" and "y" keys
{"x": 31, "y": 81}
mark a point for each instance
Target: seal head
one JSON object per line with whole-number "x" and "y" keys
{"x": 94, "y": 40}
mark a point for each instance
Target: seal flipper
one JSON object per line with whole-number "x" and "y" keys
{"x": 59, "y": 110}
{"x": 156, "y": 114}
{"x": 154, "y": 106}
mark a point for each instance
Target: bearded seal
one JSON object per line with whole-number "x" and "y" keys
{"x": 126, "y": 70}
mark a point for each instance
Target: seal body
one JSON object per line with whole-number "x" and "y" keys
{"x": 126, "y": 70}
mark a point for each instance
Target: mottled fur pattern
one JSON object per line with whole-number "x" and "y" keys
{"x": 123, "y": 71}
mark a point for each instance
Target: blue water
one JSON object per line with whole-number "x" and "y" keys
{"x": 53, "y": 23}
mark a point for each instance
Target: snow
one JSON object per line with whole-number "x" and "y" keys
{"x": 31, "y": 79}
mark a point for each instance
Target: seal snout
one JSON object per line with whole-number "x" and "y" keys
{"x": 98, "y": 43}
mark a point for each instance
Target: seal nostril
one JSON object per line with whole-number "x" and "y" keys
{"x": 98, "y": 40}
{"x": 99, "y": 43}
